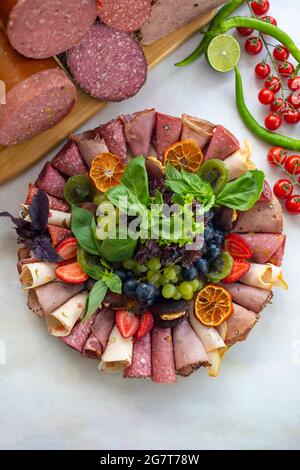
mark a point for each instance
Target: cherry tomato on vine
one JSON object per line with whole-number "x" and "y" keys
{"x": 292, "y": 116}
{"x": 286, "y": 68}
{"x": 269, "y": 19}
{"x": 276, "y": 155}
{"x": 281, "y": 53}
{"x": 253, "y": 45}
{"x": 260, "y": 7}
{"x": 283, "y": 189}
{"x": 292, "y": 165}
{"x": 262, "y": 70}
{"x": 294, "y": 100}
{"x": 278, "y": 106}
{"x": 244, "y": 31}
{"x": 294, "y": 83}
{"x": 265, "y": 96}
{"x": 293, "y": 204}
{"x": 273, "y": 121}
{"x": 273, "y": 83}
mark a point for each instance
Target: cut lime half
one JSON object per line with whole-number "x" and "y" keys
{"x": 223, "y": 53}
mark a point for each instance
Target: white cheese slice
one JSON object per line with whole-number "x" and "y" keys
{"x": 61, "y": 321}
{"x": 209, "y": 336}
{"x": 240, "y": 162}
{"x": 264, "y": 276}
{"x": 37, "y": 274}
{"x": 118, "y": 353}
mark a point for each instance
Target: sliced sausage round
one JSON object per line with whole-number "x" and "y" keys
{"x": 124, "y": 15}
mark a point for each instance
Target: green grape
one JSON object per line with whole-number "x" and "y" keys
{"x": 99, "y": 198}
{"x": 154, "y": 264}
{"x": 177, "y": 269}
{"x": 186, "y": 290}
{"x": 163, "y": 280}
{"x": 168, "y": 291}
{"x": 170, "y": 273}
{"x": 197, "y": 284}
{"x": 177, "y": 295}
{"x": 153, "y": 277}
{"x": 140, "y": 268}
{"x": 129, "y": 264}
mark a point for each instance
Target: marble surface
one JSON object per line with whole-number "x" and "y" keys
{"x": 51, "y": 398}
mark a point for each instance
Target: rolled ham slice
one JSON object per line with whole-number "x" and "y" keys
{"x": 118, "y": 353}
{"x": 61, "y": 321}
{"x": 96, "y": 342}
{"x": 24, "y": 257}
{"x": 37, "y": 274}
{"x": 138, "y": 129}
{"x": 239, "y": 324}
{"x": 278, "y": 256}
{"x": 80, "y": 333}
{"x": 250, "y": 297}
{"x": 264, "y": 276}
{"x": 264, "y": 246}
{"x": 141, "y": 367}
{"x": 44, "y": 299}
{"x": 163, "y": 363}
{"x": 89, "y": 147}
{"x": 264, "y": 217}
{"x": 188, "y": 349}
{"x": 209, "y": 336}
{"x": 222, "y": 144}
{"x": 57, "y": 218}
{"x": 240, "y": 162}
{"x": 196, "y": 129}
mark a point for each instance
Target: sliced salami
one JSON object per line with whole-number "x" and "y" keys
{"x": 222, "y": 144}
{"x": 54, "y": 203}
{"x": 124, "y": 15}
{"x": 239, "y": 324}
{"x": 139, "y": 128}
{"x": 51, "y": 181}
{"x": 96, "y": 343}
{"x": 168, "y": 131}
{"x": 58, "y": 234}
{"x": 264, "y": 217}
{"x": 78, "y": 336}
{"x": 113, "y": 134}
{"x": 89, "y": 147}
{"x": 199, "y": 130}
{"x": 263, "y": 245}
{"x": 141, "y": 359}
{"x": 163, "y": 363}
{"x": 109, "y": 65}
{"x": 68, "y": 160}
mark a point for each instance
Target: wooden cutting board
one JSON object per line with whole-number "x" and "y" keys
{"x": 16, "y": 159}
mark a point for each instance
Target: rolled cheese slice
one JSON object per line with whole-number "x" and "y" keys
{"x": 37, "y": 274}
{"x": 209, "y": 336}
{"x": 118, "y": 353}
{"x": 240, "y": 161}
{"x": 61, "y": 321}
{"x": 264, "y": 276}
{"x": 57, "y": 218}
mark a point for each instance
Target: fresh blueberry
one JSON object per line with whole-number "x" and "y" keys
{"x": 213, "y": 252}
{"x": 146, "y": 292}
{"x": 209, "y": 233}
{"x": 122, "y": 273}
{"x": 202, "y": 266}
{"x": 130, "y": 287}
{"x": 219, "y": 238}
{"x": 208, "y": 216}
{"x": 189, "y": 274}
{"x": 129, "y": 275}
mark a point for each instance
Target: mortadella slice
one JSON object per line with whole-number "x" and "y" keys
{"x": 263, "y": 217}
{"x": 141, "y": 366}
{"x": 58, "y": 234}
{"x": 54, "y": 202}
{"x": 199, "y": 130}
{"x": 188, "y": 349}
{"x": 113, "y": 134}
{"x": 163, "y": 363}
{"x": 68, "y": 160}
{"x": 239, "y": 324}
{"x": 278, "y": 256}
{"x": 89, "y": 147}
{"x": 263, "y": 245}
{"x": 96, "y": 342}
{"x": 138, "y": 129}
{"x": 222, "y": 144}
{"x": 250, "y": 297}
{"x": 51, "y": 181}
{"x": 168, "y": 131}
{"x": 80, "y": 333}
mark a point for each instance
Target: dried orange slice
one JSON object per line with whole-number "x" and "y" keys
{"x": 185, "y": 154}
{"x": 213, "y": 305}
{"x": 107, "y": 171}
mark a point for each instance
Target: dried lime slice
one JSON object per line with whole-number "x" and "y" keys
{"x": 223, "y": 53}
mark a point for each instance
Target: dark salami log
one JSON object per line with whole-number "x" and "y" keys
{"x": 163, "y": 364}
{"x": 222, "y": 144}
{"x": 138, "y": 128}
{"x": 54, "y": 203}
{"x": 239, "y": 324}
{"x": 68, "y": 160}
{"x": 58, "y": 234}
{"x": 168, "y": 131}
{"x": 141, "y": 367}
{"x": 108, "y": 64}
{"x": 113, "y": 135}
{"x": 252, "y": 298}
{"x": 43, "y": 28}
{"x": 51, "y": 181}
{"x": 124, "y": 15}
{"x": 264, "y": 245}
{"x": 80, "y": 333}
{"x": 38, "y": 95}
{"x": 96, "y": 343}
{"x": 264, "y": 217}
{"x": 199, "y": 130}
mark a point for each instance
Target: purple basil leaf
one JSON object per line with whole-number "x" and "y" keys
{"x": 44, "y": 250}
{"x": 23, "y": 227}
{"x": 39, "y": 211}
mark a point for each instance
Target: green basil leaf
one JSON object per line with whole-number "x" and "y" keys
{"x": 95, "y": 299}
{"x": 158, "y": 198}
{"x": 242, "y": 193}
{"x": 118, "y": 249}
{"x": 81, "y": 227}
{"x": 125, "y": 200}
{"x": 88, "y": 265}
{"x": 135, "y": 178}
{"x": 114, "y": 283}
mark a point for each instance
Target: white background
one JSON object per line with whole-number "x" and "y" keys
{"x": 51, "y": 398}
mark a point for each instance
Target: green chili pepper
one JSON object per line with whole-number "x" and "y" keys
{"x": 223, "y": 13}
{"x": 249, "y": 121}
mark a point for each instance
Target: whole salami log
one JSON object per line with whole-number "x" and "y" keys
{"x": 51, "y": 181}
{"x": 96, "y": 343}
{"x": 264, "y": 245}
{"x": 138, "y": 128}
{"x": 124, "y": 15}
{"x": 109, "y": 65}
{"x": 68, "y": 160}
{"x": 168, "y": 131}
{"x": 113, "y": 134}
{"x": 239, "y": 324}
{"x": 264, "y": 217}
{"x": 80, "y": 333}
{"x": 38, "y": 95}
{"x": 199, "y": 130}
{"x": 54, "y": 202}
{"x": 163, "y": 364}
{"x": 188, "y": 349}
{"x": 252, "y": 298}
{"x": 141, "y": 359}
{"x": 222, "y": 144}
{"x": 43, "y": 28}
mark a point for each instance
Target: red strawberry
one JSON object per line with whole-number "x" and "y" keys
{"x": 127, "y": 323}
{"x": 71, "y": 272}
{"x": 237, "y": 247}
{"x": 239, "y": 269}
{"x": 68, "y": 248}
{"x": 146, "y": 325}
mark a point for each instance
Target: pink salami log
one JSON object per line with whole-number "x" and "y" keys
{"x": 51, "y": 181}
{"x": 239, "y": 324}
{"x": 278, "y": 256}
{"x": 188, "y": 349}
{"x": 68, "y": 160}
{"x": 124, "y": 15}
{"x": 58, "y": 234}
{"x": 252, "y": 298}
{"x": 138, "y": 128}
{"x": 96, "y": 342}
{"x": 54, "y": 203}
{"x": 222, "y": 144}
{"x": 196, "y": 129}
{"x": 41, "y": 29}
{"x": 163, "y": 363}
{"x": 264, "y": 245}
{"x": 113, "y": 134}
{"x": 264, "y": 217}
{"x": 80, "y": 333}
{"x": 141, "y": 367}
{"x": 168, "y": 131}
{"x": 109, "y": 65}
{"x": 44, "y": 299}
{"x": 89, "y": 147}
